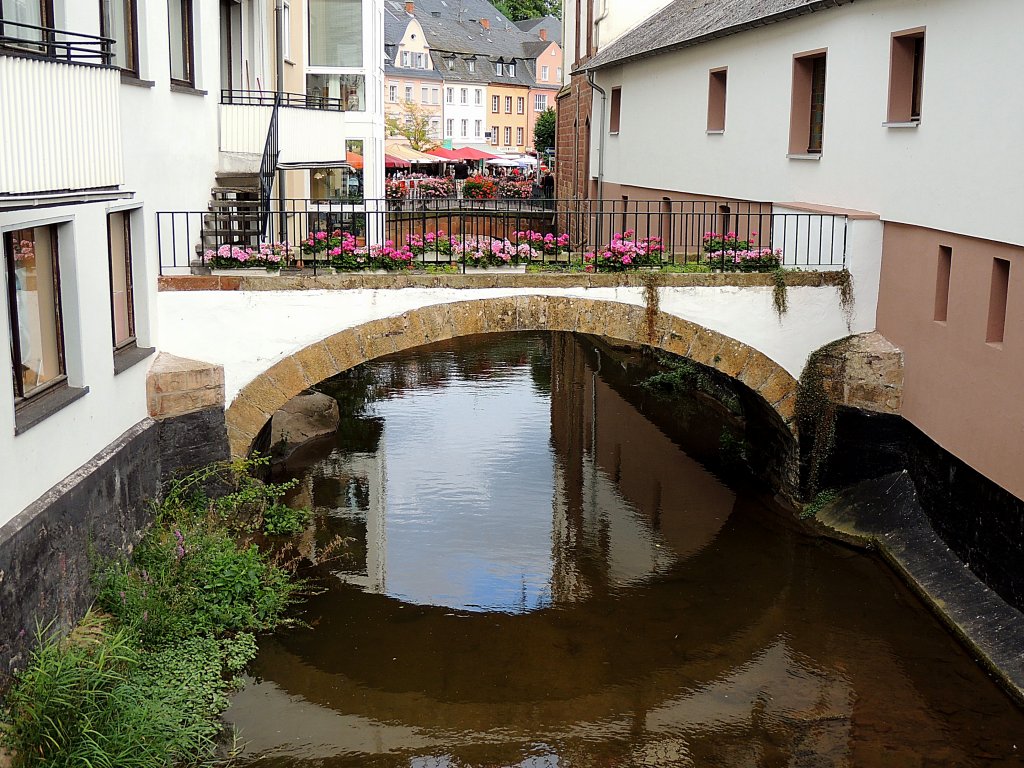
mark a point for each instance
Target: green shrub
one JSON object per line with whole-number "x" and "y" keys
{"x": 282, "y": 520}
{"x": 143, "y": 684}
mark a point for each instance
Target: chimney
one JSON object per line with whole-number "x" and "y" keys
{"x": 485, "y": 23}
{"x": 543, "y": 33}
{"x": 410, "y": 7}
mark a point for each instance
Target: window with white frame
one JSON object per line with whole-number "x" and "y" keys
{"x": 419, "y": 61}
{"x": 508, "y": 105}
{"x": 405, "y": 58}
{"x": 335, "y": 33}
{"x": 471, "y": 65}
{"x": 478, "y": 126}
{"x": 508, "y": 135}
{"x": 478, "y": 96}
{"x": 449, "y": 127}
{"x": 464, "y": 96}
{"x": 499, "y": 68}
{"x": 559, "y": 74}
{"x": 519, "y": 136}
{"x": 495, "y": 103}
{"x": 544, "y": 70}
{"x": 494, "y": 135}
{"x": 449, "y": 95}
{"x": 392, "y": 93}
{"x": 540, "y": 102}
{"x": 510, "y": 69}
{"x": 286, "y": 24}
{"x": 434, "y": 96}
{"x": 408, "y": 92}
{"x": 424, "y": 95}
{"x": 465, "y": 128}
{"x": 520, "y": 105}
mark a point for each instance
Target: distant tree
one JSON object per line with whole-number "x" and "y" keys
{"x": 520, "y": 10}
{"x": 413, "y": 122}
{"x": 544, "y": 131}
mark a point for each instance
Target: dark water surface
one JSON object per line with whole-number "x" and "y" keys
{"x": 539, "y": 569}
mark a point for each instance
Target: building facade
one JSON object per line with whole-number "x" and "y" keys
{"x": 873, "y": 109}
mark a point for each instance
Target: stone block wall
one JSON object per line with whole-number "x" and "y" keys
{"x": 49, "y": 550}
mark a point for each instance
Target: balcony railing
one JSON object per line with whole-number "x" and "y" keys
{"x": 268, "y": 98}
{"x": 20, "y": 39}
{"x": 61, "y": 125}
{"x": 701, "y": 234}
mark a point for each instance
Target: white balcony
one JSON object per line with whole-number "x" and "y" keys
{"x": 307, "y": 137}
{"x": 60, "y": 126}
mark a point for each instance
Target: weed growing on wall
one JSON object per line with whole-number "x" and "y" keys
{"x": 142, "y": 681}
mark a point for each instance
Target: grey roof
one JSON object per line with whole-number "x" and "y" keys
{"x": 552, "y": 24}
{"x": 684, "y": 23}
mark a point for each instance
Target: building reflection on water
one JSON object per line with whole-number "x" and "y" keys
{"x": 623, "y": 501}
{"x": 535, "y": 575}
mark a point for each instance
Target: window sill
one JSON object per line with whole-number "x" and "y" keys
{"x": 910, "y": 124}
{"x": 127, "y": 356}
{"x": 804, "y": 157}
{"x": 181, "y": 88}
{"x": 127, "y": 78}
{"x": 41, "y": 407}
{"x": 715, "y": 132}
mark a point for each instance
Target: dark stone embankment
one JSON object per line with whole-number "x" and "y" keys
{"x": 885, "y": 513}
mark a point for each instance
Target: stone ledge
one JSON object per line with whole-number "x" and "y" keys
{"x": 886, "y": 513}
{"x": 355, "y": 281}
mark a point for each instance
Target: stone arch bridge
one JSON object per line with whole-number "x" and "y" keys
{"x": 276, "y": 337}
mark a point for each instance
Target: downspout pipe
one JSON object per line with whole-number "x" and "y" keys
{"x": 279, "y": 33}
{"x": 600, "y": 150}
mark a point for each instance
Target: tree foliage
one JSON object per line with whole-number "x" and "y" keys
{"x": 413, "y": 122}
{"x": 520, "y": 10}
{"x": 544, "y": 131}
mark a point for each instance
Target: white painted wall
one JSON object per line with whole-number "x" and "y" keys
{"x": 32, "y": 462}
{"x": 457, "y": 112}
{"x": 961, "y": 170}
{"x": 258, "y": 328}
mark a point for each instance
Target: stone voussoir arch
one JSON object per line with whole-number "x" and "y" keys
{"x": 263, "y": 396}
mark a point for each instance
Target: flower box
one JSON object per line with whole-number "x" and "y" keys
{"x": 239, "y": 271}
{"x": 514, "y": 269}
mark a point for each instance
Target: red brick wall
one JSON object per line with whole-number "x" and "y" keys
{"x": 572, "y": 148}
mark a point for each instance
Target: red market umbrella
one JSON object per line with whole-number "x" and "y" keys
{"x": 390, "y": 161}
{"x": 355, "y": 160}
{"x": 444, "y": 154}
{"x": 469, "y": 153}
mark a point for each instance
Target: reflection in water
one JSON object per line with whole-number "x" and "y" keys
{"x": 539, "y": 574}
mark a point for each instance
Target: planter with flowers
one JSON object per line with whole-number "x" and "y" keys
{"x": 479, "y": 188}
{"x": 266, "y": 259}
{"x": 625, "y": 252}
{"x": 490, "y": 254}
{"x": 547, "y": 247}
{"x": 513, "y": 188}
{"x": 729, "y": 253}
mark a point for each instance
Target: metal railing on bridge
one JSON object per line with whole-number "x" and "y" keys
{"x": 697, "y": 235}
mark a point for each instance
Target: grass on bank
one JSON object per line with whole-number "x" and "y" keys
{"x": 144, "y": 678}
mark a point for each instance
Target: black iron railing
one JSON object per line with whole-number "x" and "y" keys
{"x": 18, "y": 38}
{"x": 268, "y": 167}
{"x": 697, "y": 235}
{"x": 270, "y": 98}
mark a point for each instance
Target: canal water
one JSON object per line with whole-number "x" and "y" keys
{"x": 528, "y": 558}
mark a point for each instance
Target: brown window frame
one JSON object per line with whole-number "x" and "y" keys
{"x": 132, "y": 340}
{"x": 997, "y": 301}
{"x": 132, "y": 15}
{"x": 718, "y": 84}
{"x": 188, "y": 57}
{"x": 614, "y": 110}
{"x": 22, "y": 397}
{"x": 906, "y": 76}
{"x": 807, "y": 111}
